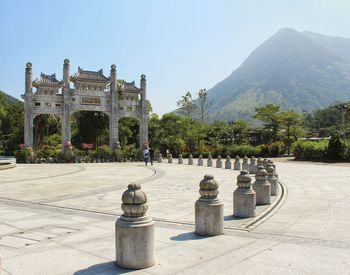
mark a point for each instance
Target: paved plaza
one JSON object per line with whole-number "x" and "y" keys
{"x": 60, "y": 219}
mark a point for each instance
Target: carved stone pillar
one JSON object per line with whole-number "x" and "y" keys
{"x": 144, "y": 114}
{"x": 66, "y": 124}
{"x": 113, "y": 118}
{"x": 28, "y": 107}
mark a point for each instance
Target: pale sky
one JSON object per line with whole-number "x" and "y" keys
{"x": 181, "y": 45}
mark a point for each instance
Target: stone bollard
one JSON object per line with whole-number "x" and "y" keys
{"x": 274, "y": 166}
{"x": 271, "y": 178}
{"x": 190, "y": 159}
{"x": 260, "y": 162}
{"x": 134, "y": 231}
{"x": 180, "y": 159}
{"x": 218, "y": 162}
{"x": 245, "y": 164}
{"x": 262, "y": 187}
{"x": 244, "y": 197}
{"x": 265, "y": 162}
{"x": 210, "y": 161}
{"x": 170, "y": 158}
{"x": 253, "y": 168}
{"x": 237, "y": 164}
{"x": 209, "y": 210}
{"x": 160, "y": 159}
{"x": 200, "y": 160}
{"x": 228, "y": 163}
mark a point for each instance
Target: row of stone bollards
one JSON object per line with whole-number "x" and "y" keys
{"x": 251, "y": 166}
{"x": 134, "y": 230}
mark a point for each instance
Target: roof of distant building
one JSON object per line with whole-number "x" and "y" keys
{"x": 89, "y": 76}
{"x": 46, "y": 80}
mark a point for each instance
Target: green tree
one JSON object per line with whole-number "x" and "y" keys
{"x": 203, "y": 103}
{"x": 240, "y": 128}
{"x": 269, "y": 114}
{"x": 186, "y": 105}
{"x": 290, "y": 122}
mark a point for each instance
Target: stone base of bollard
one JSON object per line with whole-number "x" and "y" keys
{"x": 180, "y": 161}
{"x": 244, "y": 201}
{"x": 134, "y": 241}
{"x": 237, "y": 166}
{"x": 209, "y": 163}
{"x": 209, "y": 217}
{"x": 263, "y": 192}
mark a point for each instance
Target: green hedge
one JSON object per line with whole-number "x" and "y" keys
{"x": 333, "y": 150}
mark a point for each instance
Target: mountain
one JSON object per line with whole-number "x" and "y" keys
{"x": 296, "y": 70}
{"x": 9, "y": 99}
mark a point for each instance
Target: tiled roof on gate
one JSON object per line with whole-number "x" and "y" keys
{"x": 89, "y": 76}
{"x": 129, "y": 87}
{"x": 46, "y": 80}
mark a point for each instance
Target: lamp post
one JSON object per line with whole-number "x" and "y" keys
{"x": 342, "y": 107}
{"x": 304, "y": 114}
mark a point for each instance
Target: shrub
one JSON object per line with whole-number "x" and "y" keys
{"x": 309, "y": 150}
{"x": 335, "y": 149}
{"x": 103, "y": 152}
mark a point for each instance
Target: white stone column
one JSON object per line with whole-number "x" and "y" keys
{"x": 144, "y": 114}
{"x": 209, "y": 210}
{"x": 134, "y": 231}
{"x": 28, "y": 107}
{"x": 66, "y": 124}
{"x": 113, "y": 118}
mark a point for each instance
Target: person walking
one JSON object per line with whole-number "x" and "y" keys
{"x": 151, "y": 155}
{"x": 146, "y": 155}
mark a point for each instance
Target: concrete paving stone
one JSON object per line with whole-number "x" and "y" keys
{"x": 55, "y": 261}
{"x": 15, "y": 242}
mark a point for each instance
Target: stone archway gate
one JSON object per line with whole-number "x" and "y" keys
{"x": 92, "y": 92}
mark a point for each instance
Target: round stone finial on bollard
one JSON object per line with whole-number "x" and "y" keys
{"x": 210, "y": 161}
{"x": 134, "y": 231}
{"x": 271, "y": 178}
{"x": 160, "y": 158}
{"x": 190, "y": 159}
{"x": 180, "y": 159}
{"x": 244, "y": 197}
{"x": 218, "y": 162}
{"x": 262, "y": 187}
{"x": 237, "y": 163}
{"x": 209, "y": 210}
{"x": 200, "y": 160}
{"x": 228, "y": 163}
{"x": 245, "y": 164}
{"x": 170, "y": 158}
